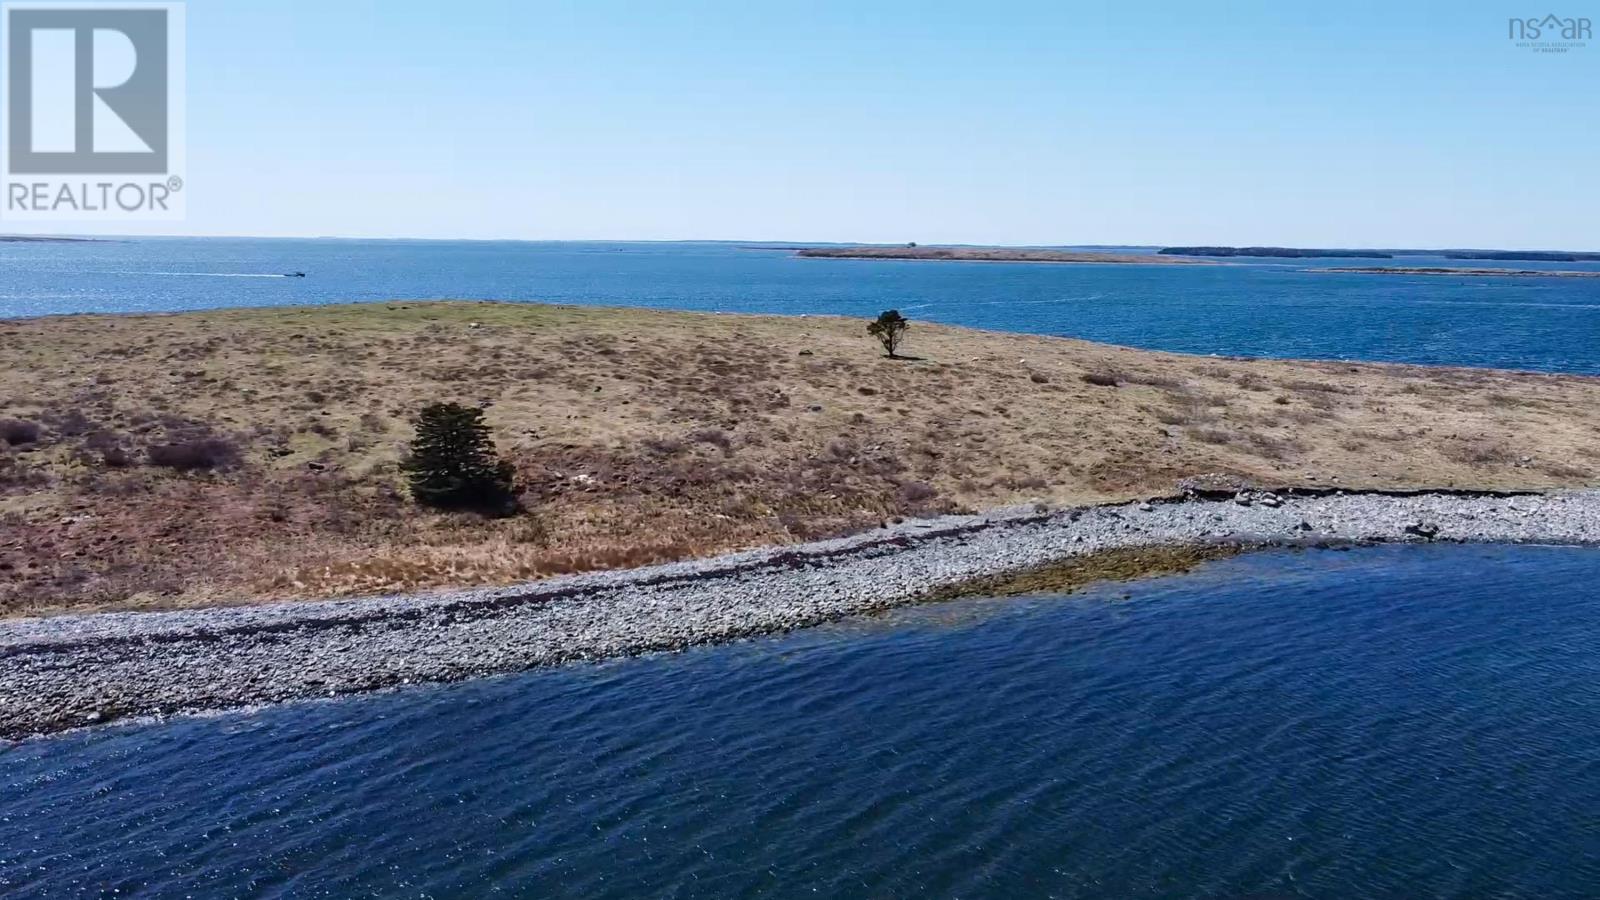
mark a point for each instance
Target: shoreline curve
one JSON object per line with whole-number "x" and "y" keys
{"x": 65, "y": 672}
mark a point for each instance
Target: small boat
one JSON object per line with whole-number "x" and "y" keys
{"x": 294, "y": 274}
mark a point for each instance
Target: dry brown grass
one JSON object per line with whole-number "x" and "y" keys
{"x": 645, "y": 436}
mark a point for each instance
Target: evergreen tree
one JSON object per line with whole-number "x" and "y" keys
{"x": 453, "y": 464}
{"x": 889, "y": 329}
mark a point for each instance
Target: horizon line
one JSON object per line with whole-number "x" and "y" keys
{"x": 778, "y": 244}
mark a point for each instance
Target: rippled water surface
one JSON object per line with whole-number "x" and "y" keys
{"x": 1247, "y": 307}
{"x": 1399, "y": 722}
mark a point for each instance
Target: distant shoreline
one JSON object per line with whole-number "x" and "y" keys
{"x": 1327, "y": 253}
{"x": 997, "y": 254}
{"x": 1211, "y": 256}
{"x": 1470, "y": 273}
{"x": 1278, "y": 252}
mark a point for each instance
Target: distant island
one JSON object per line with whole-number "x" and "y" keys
{"x": 1197, "y": 255}
{"x": 1281, "y": 252}
{"x": 44, "y": 239}
{"x": 1446, "y": 270}
{"x": 991, "y": 254}
{"x": 1312, "y": 253}
{"x": 1522, "y": 255}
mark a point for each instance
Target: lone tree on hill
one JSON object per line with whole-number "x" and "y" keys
{"x": 453, "y": 464}
{"x": 890, "y": 330}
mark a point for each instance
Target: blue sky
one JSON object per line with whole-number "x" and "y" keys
{"x": 1055, "y": 123}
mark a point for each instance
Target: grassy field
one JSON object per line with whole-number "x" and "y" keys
{"x": 643, "y": 436}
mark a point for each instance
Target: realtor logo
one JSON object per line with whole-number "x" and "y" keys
{"x": 93, "y": 110}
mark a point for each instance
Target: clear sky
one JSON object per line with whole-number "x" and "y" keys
{"x": 1382, "y": 124}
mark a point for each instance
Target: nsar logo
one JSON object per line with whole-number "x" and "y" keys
{"x": 1549, "y": 34}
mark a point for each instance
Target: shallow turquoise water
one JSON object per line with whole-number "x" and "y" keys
{"x": 1395, "y": 722}
{"x": 1249, "y": 307}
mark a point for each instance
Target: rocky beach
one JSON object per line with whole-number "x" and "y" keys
{"x": 70, "y": 671}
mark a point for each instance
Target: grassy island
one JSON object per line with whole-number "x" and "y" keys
{"x": 1276, "y": 252}
{"x": 251, "y": 454}
{"x": 1462, "y": 272}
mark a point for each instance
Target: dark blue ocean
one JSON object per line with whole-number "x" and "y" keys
{"x": 1247, "y": 307}
{"x": 1401, "y": 722}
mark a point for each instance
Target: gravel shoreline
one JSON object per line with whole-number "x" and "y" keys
{"x": 69, "y": 671}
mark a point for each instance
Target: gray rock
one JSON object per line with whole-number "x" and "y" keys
{"x": 1427, "y": 530}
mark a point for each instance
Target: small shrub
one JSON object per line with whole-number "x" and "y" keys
{"x": 17, "y": 432}
{"x": 665, "y": 446}
{"x": 198, "y": 455}
{"x": 890, "y": 329}
{"x": 110, "y": 449}
{"x": 1102, "y": 379}
{"x": 1269, "y": 447}
{"x": 1164, "y": 382}
{"x": 453, "y": 464}
{"x": 1480, "y": 452}
{"x": 1564, "y": 471}
{"x": 1174, "y": 416}
{"x": 15, "y": 473}
{"x": 71, "y": 423}
{"x": 714, "y": 436}
{"x": 1306, "y": 385}
{"x": 1039, "y": 378}
{"x": 116, "y": 457}
{"x": 528, "y": 530}
{"x": 915, "y": 492}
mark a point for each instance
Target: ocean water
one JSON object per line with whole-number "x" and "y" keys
{"x": 1247, "y": 307}
{"x": 1385, "y": 722}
